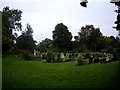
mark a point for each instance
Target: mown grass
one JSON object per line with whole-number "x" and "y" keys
{"x": 39, "y": 74}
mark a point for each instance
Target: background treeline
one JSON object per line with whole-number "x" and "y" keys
{"x": 89, "y": 38}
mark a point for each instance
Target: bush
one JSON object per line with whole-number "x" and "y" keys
{"x": 96, "y": 60}
{"x": 44, "y": 56}
{"x": 86, "y": 56}
{"x": 27, "y": 56}
{"x": 49, "y": 57}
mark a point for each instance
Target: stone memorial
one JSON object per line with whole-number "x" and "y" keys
{"x": 79, "y": 61}
{"x": 90, "y": 58}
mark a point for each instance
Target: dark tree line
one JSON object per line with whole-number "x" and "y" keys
{"x": 25, "y": 41}
{"x": 88, "y": 38}
{"x": 11, "y": 22}
{"x": 62, "y": 37}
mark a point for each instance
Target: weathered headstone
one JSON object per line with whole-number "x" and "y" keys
{"x": 58, "y": 57}
{"x": 61, "y": 57}
{"x": 79, "y": 61}
{"x": 73, "y": 56}
{"x": 64, "y": 53}
{"x": 44, "y": 56}
{"x": 103, "y": 60}
{"x": 90, "y": 58}
{"x": 109, "y": 58}
{"x": 70, "y": 56}
{"x": 49, "y": 57}
{"x": 96, "y": 59}
{"x": 55, "y": 57}
{"x": 86, "y": 56}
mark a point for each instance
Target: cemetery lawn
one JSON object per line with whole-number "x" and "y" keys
{"x": 39, "y": 74}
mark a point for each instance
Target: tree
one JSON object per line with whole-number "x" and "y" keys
{"x": 62, "y": 37}
{"x": 25, "y": 41}
{"x": 41, "y": 47}
{"x": 117, "y": 3}
{"x": 76, "y": 45}
{"x": 10, "y": 22}
{"x": 89, "y": 36}
{"x": 29, "y": 29}
{"x": 45, "y": 45}
{"x": 47, "y": 42}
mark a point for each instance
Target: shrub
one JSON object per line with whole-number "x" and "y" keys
{"x": 96, "y": 60}
{"x": 49, "y": 57}
{"x": 27, "y": 56}
{"x": 44, "y": 56}
{"x": 86, "y": 56}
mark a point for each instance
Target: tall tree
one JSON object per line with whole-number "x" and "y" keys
{"x": 76, "y": 44}
{"x": 10, "y": 22}
{"x": 25, "y": 41}
{"x": 89, "y": 36}
{"x": 62, "y": 37}
{"x": 45, "y": 45}
{"x": 29, "y": 29}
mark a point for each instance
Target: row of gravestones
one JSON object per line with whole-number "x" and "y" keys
{"x": 95, "y": 59}
{"x": 56, "y": 57}
{"x": 50, "y": 57}
{"x": 59, "y": 57}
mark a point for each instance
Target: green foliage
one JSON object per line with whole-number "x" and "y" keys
{"x": 27, "y": 55}
{"x": 41, "y": 47}
{"x": 6, "y": 44}
{"x": 10, "y": 22}
{"x": 109, "y": 44}
{"x": 28, "y": 30}
{"x": 25, "y": 41}
{"x": 49, "y": 57}
{"x": 44, "y": 56}
{"x": 89, "y": 36}
{"x": 45, "y": 45}
{"x": 86, "y": 56}
{"x": 62, "y": 37}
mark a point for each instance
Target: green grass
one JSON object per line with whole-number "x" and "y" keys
{"x": 39, "y": 74}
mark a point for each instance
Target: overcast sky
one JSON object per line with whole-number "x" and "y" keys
{"x": 44, "y": 15}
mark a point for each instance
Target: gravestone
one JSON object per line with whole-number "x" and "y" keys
{"x": 109, "y": 58}
{"x": 64, "y": 53}
{"x": 86, "y": 56}
{"x": 96, "y": 59}
{"x": 49, "y": 57}
{"x": 61, "y": 57}
{"x": 103, "y": 60}
{"x": 55, "y": 57}
{"x": 90, "y": 58}
{"x": 44, "y": 56}
{"x": 38, "y": 55}
{"x": 79, "y": 61}
{"x": 58, "y": 57}
{"x": 73, "y": 56}
{"x": 70, "y": 56}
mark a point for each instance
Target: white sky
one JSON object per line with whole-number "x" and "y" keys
{"x": 43, "y": 15}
